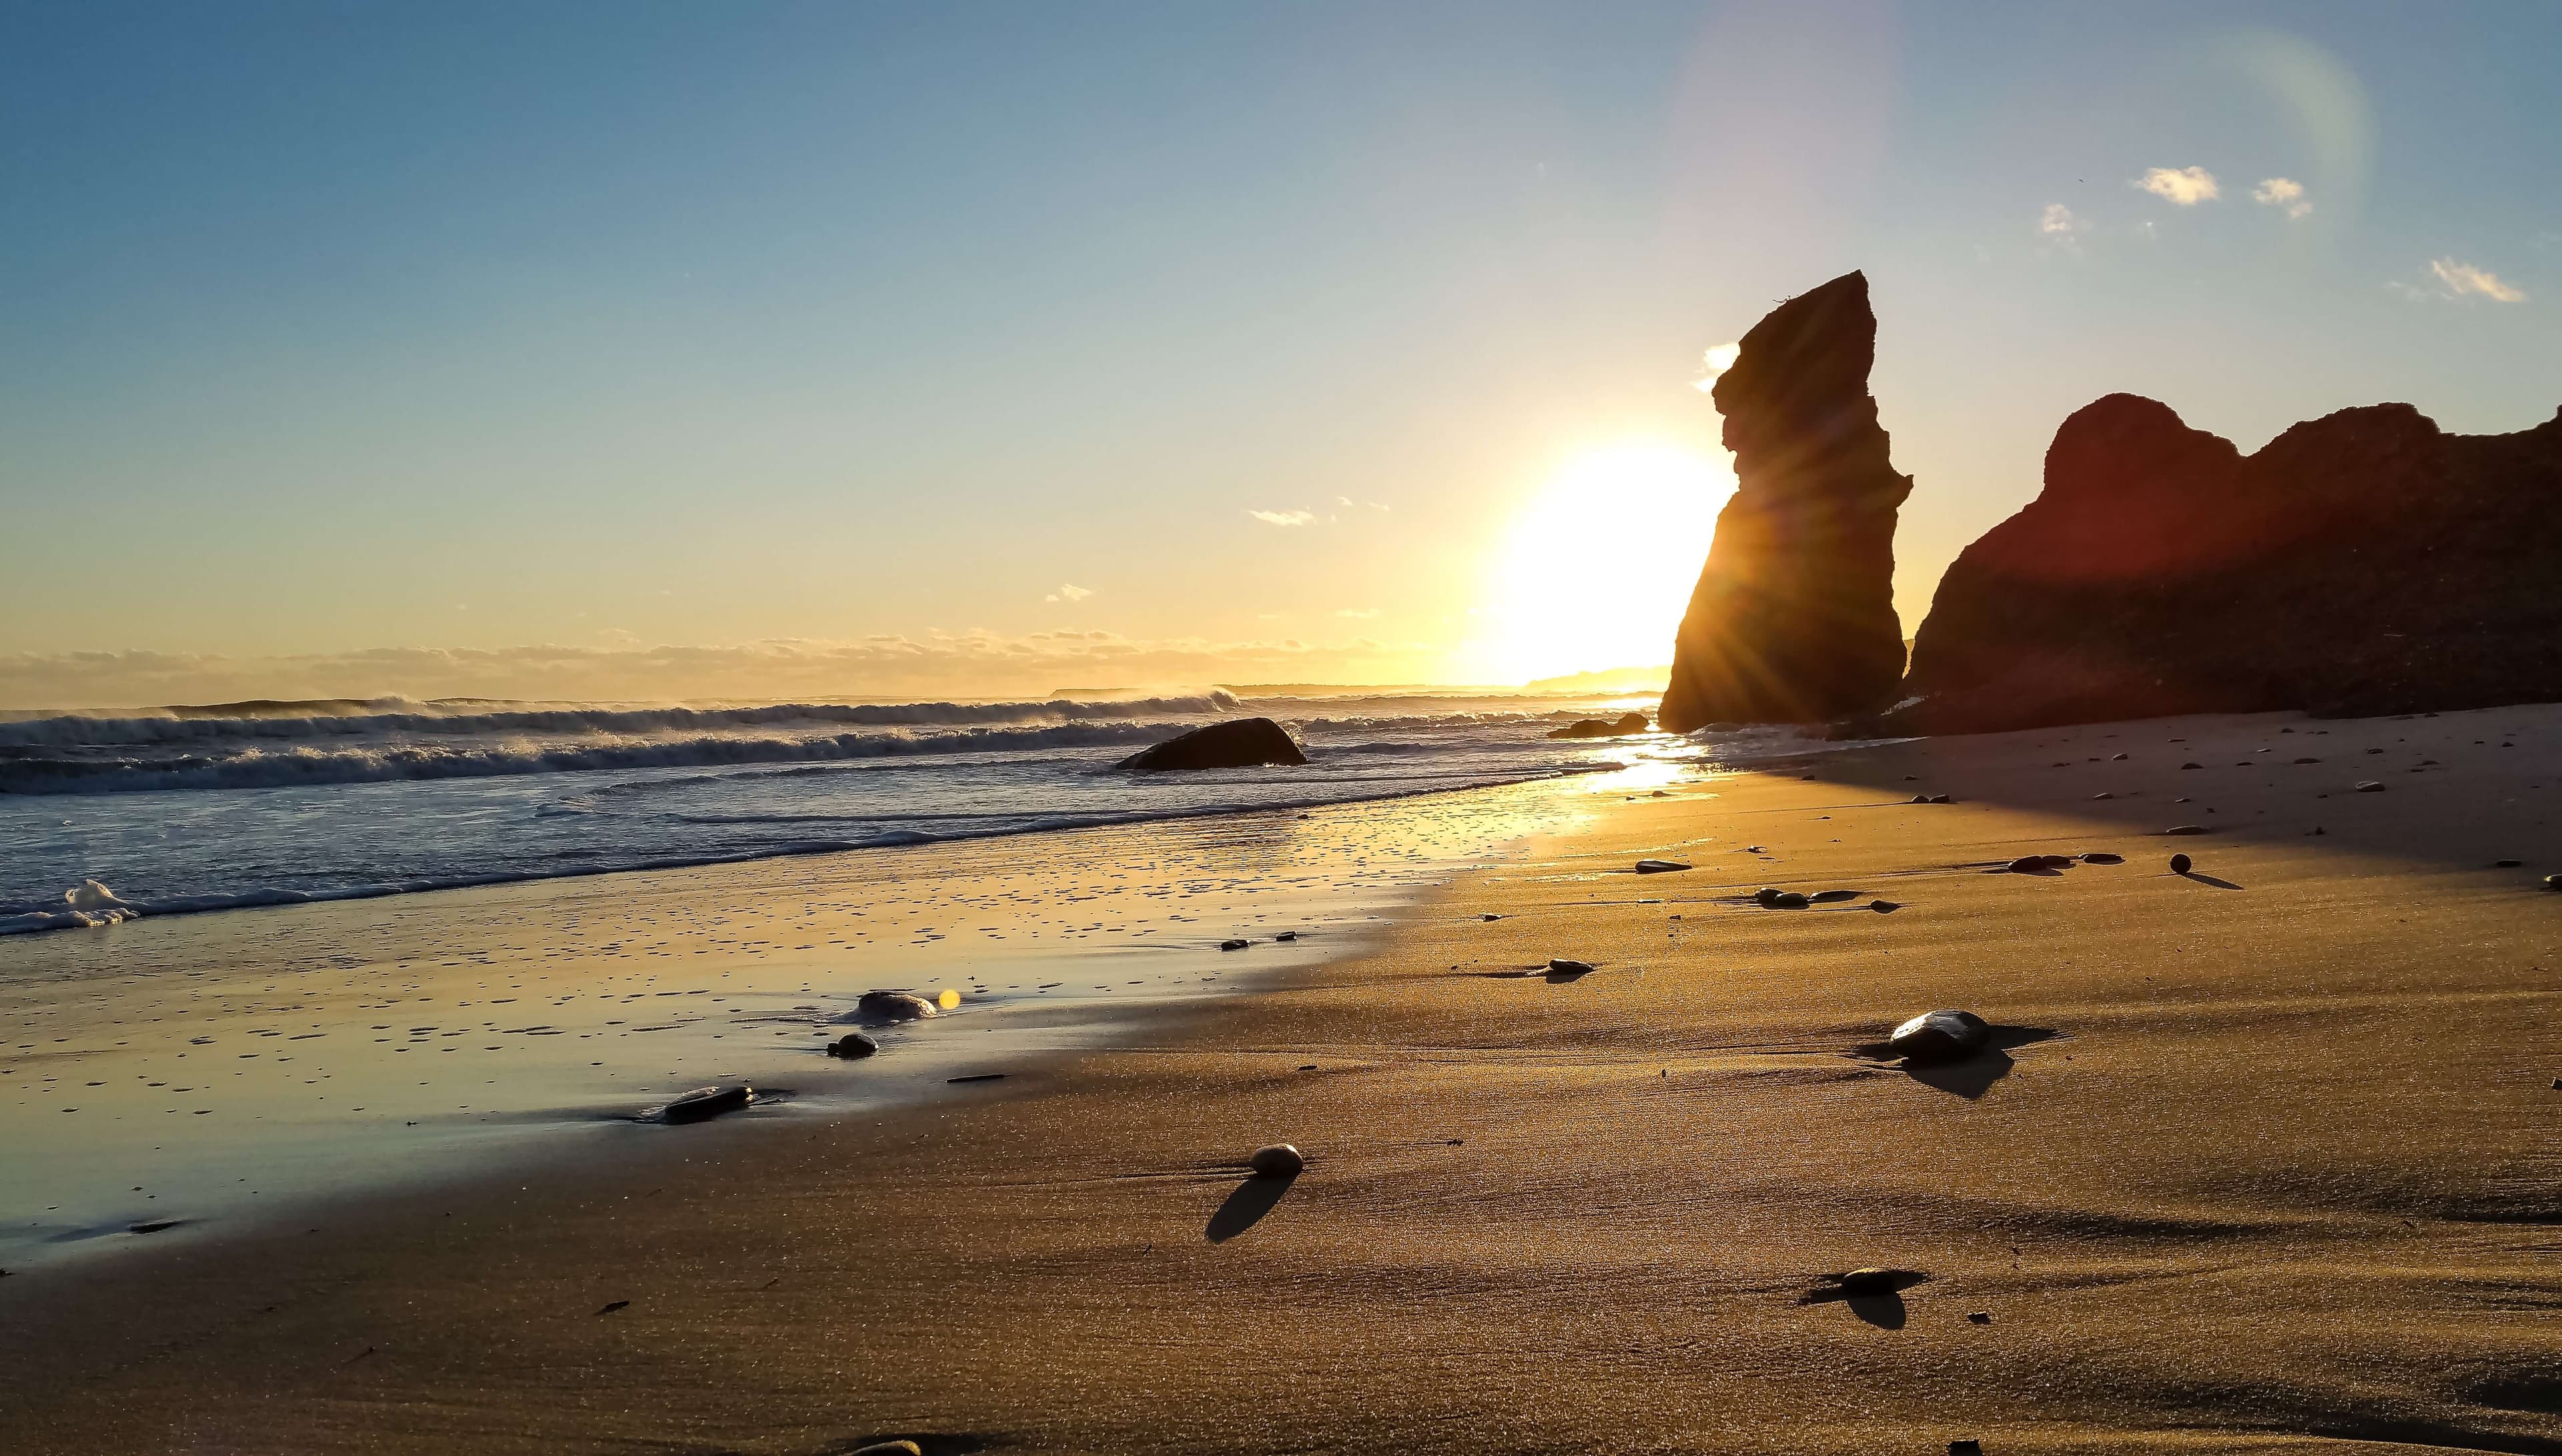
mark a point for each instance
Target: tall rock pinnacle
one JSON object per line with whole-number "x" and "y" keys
{"x": 1793, "y": 619}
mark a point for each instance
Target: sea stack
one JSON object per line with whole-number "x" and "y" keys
{"x": 1793, "y": 619}
{"x": 2360, "y": 564}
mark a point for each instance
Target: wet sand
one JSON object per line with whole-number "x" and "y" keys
{"x": 2269, "y": 1162}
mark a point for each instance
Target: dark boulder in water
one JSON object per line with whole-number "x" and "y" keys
{"x": 2361, "y": 564}
{"x": 1936, "y": 1036}
{"x": 1619, "y": 727}
{"x": 1793, "y": 617}
{"x": 1238, "y": 743}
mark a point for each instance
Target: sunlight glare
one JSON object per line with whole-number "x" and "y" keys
{"x": 1597, "y": 569}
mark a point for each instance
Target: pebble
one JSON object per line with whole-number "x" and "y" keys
{"x": 2179, "y": 864}
{"x": 1940, "y": 1037}
{"x": 1565, "y": 967}
{"x": 1233, "y": 945}
{"x": 852, "y": 1045}
{"x": 1787, "y": 900}
{"x": 2102, "y": 796}
{"x": 2553, "y": 882}
{"x": 1861, "y": 1282}
{"x": 705, "y": 1102}
{"x": 1659, "y": 866}
{"x": 1827, "y": 897}
{"x": 2034, "y": 863}
{"x": 1883, "y": 906}
{"x": 2184, "y": 829}
{"x": 894, "y": 1006}
{"x": 1979, "y": 1316}
{"x": 1955, "y": 1448}
{"x": 2192, "y": 765}
{"x": 1276, "y": 1159}
{"x": 2369, "y": 786}
{"x": 2102, "y": 856}
{"x": 1287, "y": 935}
{"x": 1765, "y": 895}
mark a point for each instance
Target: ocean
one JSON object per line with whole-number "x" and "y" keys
{"x": 184, "y": 810}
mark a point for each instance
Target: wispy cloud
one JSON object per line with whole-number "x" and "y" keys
{"x": 2180, "y": 186}
{"x": 2062, "y": 225}
{"x": 1282, "y": 517}
{"x": 1070, "y": 594}
{"x": 1366, "y": 614}
{"x": 2282, "y": 192}
{"x": 2463, "y": 278}
{"x": 1717, "y": 359}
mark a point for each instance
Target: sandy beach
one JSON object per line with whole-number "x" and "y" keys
{"x": 2268, "y": 1165}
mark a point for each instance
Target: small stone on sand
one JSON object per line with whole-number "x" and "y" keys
{"x": 1287, "y": 935}
{"x": 1883, "y": 907}
{"x": 1979, "y": 1316}
{"x": 705, "y": 1102}
{"x": 1276, "y": 1159}
{"x": 1787, "y": 900}
{"x": 1827, "y": 897}
{"x": 2179, "y": 864}
{"x": 1940, "y": 1037}
{"x": 2369, "y": 786}
{"x": 1562, "y": 967}
{"x": 852, "y": 1045}
{"x": 2102, "y": 856}
{"x": 1233, "y": 945}
{"x": 1659, "y": 866}
{"x": 2185, "y": 829}
{"x": 894, "y": 1006}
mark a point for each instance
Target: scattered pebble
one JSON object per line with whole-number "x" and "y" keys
{"x": 1659, "y": 866}
{"x": 1940, "y": 1037}
{"x": 1827, "y": 897}
{"x": 153, "y": 1226}
{"x": 1562, "y": 967}
{"x": 705, "y": 1102}
{"x": 2102, "y": 856}
{"x": 614, "y": 1303}
{"x": 852, "y": 1045}
{"x": 1233, "y": 945}
{"x": 1979, "y": 1316}
{"x": 893, "y": 1006}
{"x": 1287, "y": 936}
{"x": 2185, "y": 829}
{"x": 1276, "y": 1159}
{"x": 974, "y": 1077}
{"x": 2370, "y": 786}
{"x": 1884, "y": 907}
{"x": 2037, "y": 863}
{"x": 2179, "y": 864}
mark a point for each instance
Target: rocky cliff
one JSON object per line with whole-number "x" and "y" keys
{"x": 1792, "y": 621}
{"x": 2362, "y": 563}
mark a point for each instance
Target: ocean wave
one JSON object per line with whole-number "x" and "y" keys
{"x": 92, "y": 905}
{"x": 257, "y": 767}
{"x": 384, "y": 717}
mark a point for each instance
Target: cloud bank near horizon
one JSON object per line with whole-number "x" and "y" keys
{"x": 957, "y": 664}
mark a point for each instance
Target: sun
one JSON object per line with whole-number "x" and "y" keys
{"x": 1598, "y": 567}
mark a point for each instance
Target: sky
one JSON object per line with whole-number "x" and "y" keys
{"x": 635, "y": 350}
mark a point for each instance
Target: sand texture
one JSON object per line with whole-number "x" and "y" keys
{"x": 2269, "y": 1162}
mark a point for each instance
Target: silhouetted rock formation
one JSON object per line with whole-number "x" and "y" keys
{"x": 1235, "y": 744}
{"x": 1794, "y": 620}
{"x": 1619, "y": 727}
{"x": 2362, "y": 563}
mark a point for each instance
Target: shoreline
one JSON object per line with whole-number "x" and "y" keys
{"x": 1579, "y": 1212}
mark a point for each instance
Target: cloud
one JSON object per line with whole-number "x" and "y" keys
{"x": 1717, "y": 359}
{"x": 2460, "y": 278}
{"x": 2282, "y": 192}
{"x": 1070, "y": 594}
{"x": 2062, "y": 224}
{"x": 1282, "y": 517}
{"x": 1347, "y": 503}
{"x": 971, "y": 663}
{"x": 1366, "y": 614}
{"x": 2185, "y": 187}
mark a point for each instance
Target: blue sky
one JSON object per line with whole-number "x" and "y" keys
{"x": 359, "y": 348}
